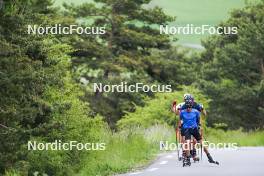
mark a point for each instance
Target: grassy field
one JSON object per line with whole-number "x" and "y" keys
{"x": 195, "y": 12}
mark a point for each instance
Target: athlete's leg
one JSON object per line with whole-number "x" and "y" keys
{"x": 193, "y": 150}
{"x": 186, "y": 147}
{"x": 198, "y": 137}
{"x": 182, "y": 142}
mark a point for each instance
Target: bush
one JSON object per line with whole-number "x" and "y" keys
{"x": 158, "y": 110}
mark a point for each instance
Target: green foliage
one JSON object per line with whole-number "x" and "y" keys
{"x": 233, "y": 71}
{"x": 71, "y": 124}
{"x": 158, "y": 110}
{"x": 197, "y": 12}
{"x": 12, "y": 173}
{"x": 40, "y": 101}
{"x": 126, "y": 150}
{"x": 175, "y": 66}
{"x": 118, "y": 55}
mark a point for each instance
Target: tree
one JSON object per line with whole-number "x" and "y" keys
{"x": 39, "y": 99}
{"x": 233, "y": 70}
{"x": 118, "y": 55}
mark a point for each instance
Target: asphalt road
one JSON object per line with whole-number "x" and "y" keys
{"x": 247, "y": 161}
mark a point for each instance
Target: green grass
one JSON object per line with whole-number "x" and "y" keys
{"x": 252, "y": 138}
{"x": 242, "y": 138}
{"x": 125, "y": 150}
{"x": 198, "y": 12}
{"x": 135, "y": 148}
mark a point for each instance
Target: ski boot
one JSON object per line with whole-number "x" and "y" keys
{"x": 193, "y": 154}
{"x": 183, "y": 156}
{"x": 210, "y": 159}
{"x": 186, "y": 161}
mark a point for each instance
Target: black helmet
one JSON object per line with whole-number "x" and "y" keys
{"x": 188, "y": 97}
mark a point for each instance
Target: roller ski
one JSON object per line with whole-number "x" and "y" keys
{"x": 186, "y": 161}
{"x": 210, "y": 159}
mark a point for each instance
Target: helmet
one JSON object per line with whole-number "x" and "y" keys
{"x": 187, "y": 97}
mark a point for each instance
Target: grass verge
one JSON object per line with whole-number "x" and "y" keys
{"x": 126, "y": 150}
{"x": 251, "y": 138}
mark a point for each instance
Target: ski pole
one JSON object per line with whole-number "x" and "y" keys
{"x": 178, "y": 154}
{"x": 201, "y": 144}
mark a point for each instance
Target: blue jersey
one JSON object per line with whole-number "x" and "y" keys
{"x": 190, "y": 119}
{"x": 196, "y": 106}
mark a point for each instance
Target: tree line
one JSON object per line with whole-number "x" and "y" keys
{"x": 43, "y": 98}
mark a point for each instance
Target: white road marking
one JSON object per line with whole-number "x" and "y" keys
{"x": 136, "y": 173}
{"x": 152, "y": 169}
{"x": 163, "y": 162}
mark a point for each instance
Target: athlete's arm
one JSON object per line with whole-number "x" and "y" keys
{"x": 201, "y": 109}
{"x": 178, "y": 109}
{"x": 181, "y": 119}
{"x": 174, "y": 104}
{"x": 198, "y": 118}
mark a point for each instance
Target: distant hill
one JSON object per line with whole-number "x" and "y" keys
{"x": 197, "y": 12}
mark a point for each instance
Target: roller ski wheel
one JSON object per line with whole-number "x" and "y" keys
{"x": 213, "y": 162}
{"x": 196, "y": 159}
{"x": 186, "y": 162}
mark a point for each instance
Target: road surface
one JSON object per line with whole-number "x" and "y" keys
{"x": 248, "y": 161}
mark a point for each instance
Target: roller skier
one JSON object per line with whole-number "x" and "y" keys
{"x": 190, "y": 118}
